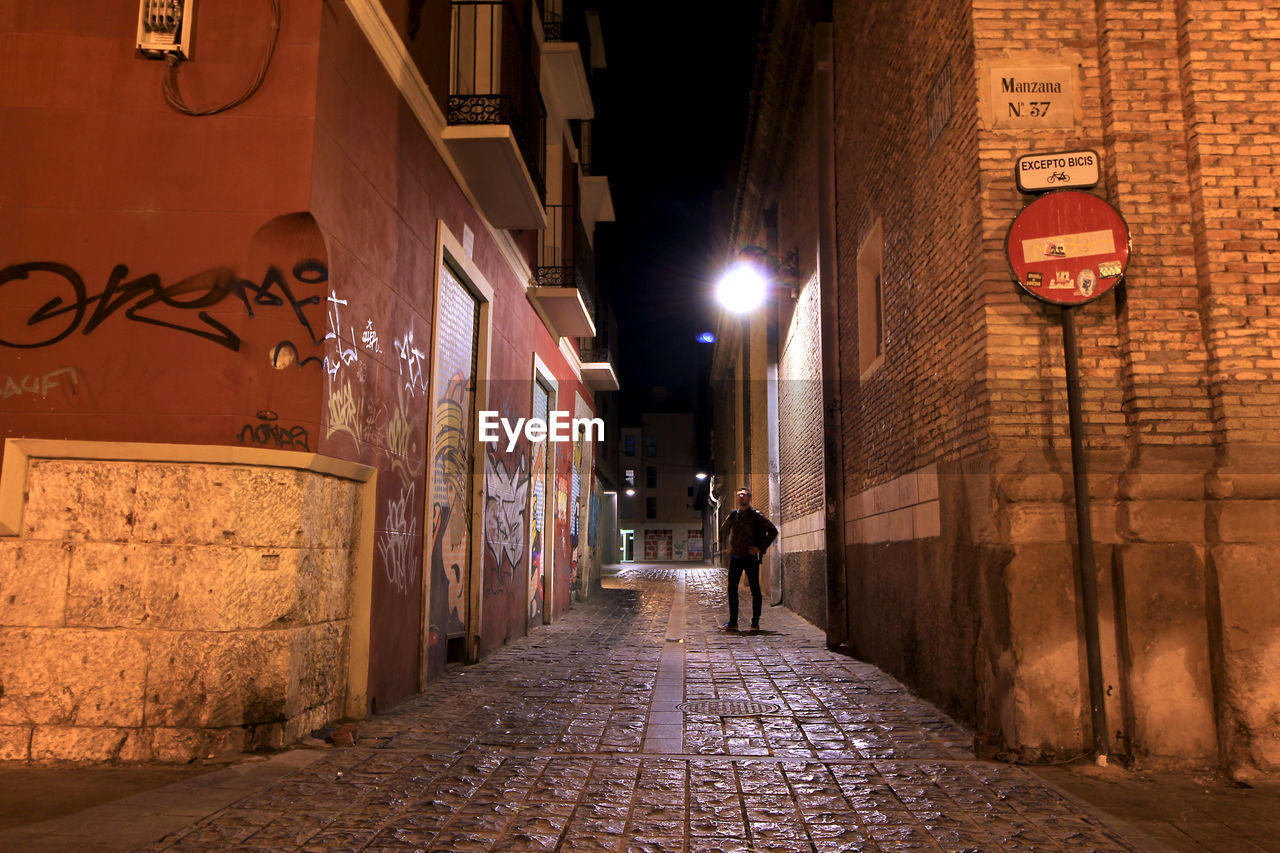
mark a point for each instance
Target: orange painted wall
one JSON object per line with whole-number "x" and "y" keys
{"x": 147, "y": 280}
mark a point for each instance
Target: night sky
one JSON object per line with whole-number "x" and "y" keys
{"x": 669, "y": 128}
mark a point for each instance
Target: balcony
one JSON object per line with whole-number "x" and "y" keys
{"x": 566, "y": 55}
{"x": 496, "y": 119}
{"x": 597, "y": 369}
{"x": 596, "y": 201}
{"x": 564, "y": 275}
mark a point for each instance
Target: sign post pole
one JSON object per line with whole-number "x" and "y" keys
{"x": 1068, "y": 248}
{"x": 1084, "y": 536}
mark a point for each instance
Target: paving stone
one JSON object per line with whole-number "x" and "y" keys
{"x": 548, "y": 745}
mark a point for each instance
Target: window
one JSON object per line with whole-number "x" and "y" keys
{"x": 629, "y": 445}
{"x": 631, "y": 476}
{"x": 651, "y": 477}
{"x": 871, "y": 331}
{"x": 650, "y": 447}
{"x": 650, "y": 508}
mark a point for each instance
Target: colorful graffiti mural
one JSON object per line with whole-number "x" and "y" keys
{"x": 538, "y": 512}
{"x": 505, "y": 520}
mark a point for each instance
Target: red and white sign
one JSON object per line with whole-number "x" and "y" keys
{"x": 1068, "y": 247}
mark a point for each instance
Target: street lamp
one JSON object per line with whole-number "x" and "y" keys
{"x": 631, "y": 493}
{"x": 701, "y": 475}
{"x": 744, "y": 287}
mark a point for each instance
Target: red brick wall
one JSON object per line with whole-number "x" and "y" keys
{"x": 800, "y": 409}
{"x": 887, "y": 55}
{"x": 799, "y": 344}
{"x": 1230, "y": 88}
{"x": 1145, "y": 149}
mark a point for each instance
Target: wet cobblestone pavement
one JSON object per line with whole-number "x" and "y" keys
{"x": 573, "y": 739}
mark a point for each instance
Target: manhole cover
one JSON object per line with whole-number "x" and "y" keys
{"x": 729, "y": 708}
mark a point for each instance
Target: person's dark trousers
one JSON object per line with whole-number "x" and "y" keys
{"x": 750, "y": 565}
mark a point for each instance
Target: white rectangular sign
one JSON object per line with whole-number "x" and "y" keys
{"x": 1080, "y": 245}
{"x": 1039, "y": 172}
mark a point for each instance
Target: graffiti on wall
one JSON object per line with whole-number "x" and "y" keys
{"x": 349, "y": 411}
{"x": 396, "y": 541}
{"x": 402, "y": 443}
{"x": 411, "y": 362}
{"x": 390, "y": 440}
{"x": 538, "y": 511}
{"x": 345, "y": 353}
{"x": 575, "y": 517}
{"x": 285, "y": 354}
{"x": 593, "y": 519}
{"x": 369, "y": 337}
{"x": 452, "y": 474}
{"x": 505, "y": 517}
{"x": 268, "y": 433}
{"x": 43, "y": 302}
{"x": 41, "y": 385}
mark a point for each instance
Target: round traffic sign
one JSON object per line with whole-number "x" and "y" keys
{"x": 1068, "y": 247}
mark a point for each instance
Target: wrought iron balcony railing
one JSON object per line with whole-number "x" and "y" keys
{"x": 564, "y": 20}
{"x": 493, "y": 78}
{"x": 565, "y": 258}
{"x": 593, "y": 354}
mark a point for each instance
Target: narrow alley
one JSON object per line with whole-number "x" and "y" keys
{"x": 634, "y": 724}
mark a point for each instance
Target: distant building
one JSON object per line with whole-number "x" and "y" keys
{"x": 659, "y": 522}
{"x": 942, "y": 547}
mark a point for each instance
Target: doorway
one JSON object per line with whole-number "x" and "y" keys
{"x": 628, "y": 548}
{"x": 457, "y": 338}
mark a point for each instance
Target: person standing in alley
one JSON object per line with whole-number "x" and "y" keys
{"x": 745, "y": 535}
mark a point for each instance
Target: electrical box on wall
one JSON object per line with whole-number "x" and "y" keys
{"x": 164, "y": 28}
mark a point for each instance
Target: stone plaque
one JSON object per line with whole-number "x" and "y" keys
{"x": 1033, "y": 96}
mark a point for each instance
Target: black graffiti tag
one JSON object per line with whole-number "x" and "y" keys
{"x": 63, "y": 313}
{"x": 267, "y": 434}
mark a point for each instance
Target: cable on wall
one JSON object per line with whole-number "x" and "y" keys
{"x": 173, "y": 95}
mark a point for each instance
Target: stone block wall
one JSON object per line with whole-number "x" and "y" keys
{"x": 1186, "y": 545}
{"x": 164, "y": 611}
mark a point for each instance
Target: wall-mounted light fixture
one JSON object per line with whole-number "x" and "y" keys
{"x": 744, "y": 287}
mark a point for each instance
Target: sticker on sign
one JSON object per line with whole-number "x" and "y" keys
{"x": 1060, "y": 170}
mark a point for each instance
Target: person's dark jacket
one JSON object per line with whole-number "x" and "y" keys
{"x": 744, "y": 528}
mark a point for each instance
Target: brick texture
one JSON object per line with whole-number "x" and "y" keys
{"x": 928, "y": 201}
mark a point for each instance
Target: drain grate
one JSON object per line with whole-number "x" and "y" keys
{"x": 729, "y": 708}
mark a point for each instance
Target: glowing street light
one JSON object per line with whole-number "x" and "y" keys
{"x": 701, "y": 475}
{"x": 631, "y": 493}
{"x": 742, "y": 288}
